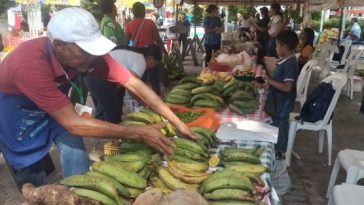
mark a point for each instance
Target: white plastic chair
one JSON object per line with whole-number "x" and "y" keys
{"x": 347, "y": 194}
{"x": 303, "y": 81}
{"x": 353, "y": 163}
{"x": 338, "y": 81}
{"x": 323, "y": 54}
{"x": 349, "y": 69}
{"x": 347, "y": 45}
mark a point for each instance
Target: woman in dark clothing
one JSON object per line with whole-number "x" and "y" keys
{"x": 262, "y": 29}
{"x": 213, "y": 28}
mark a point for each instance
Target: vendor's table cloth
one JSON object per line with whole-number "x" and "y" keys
{"x": 267, "y": 160}
{"x": 227, "y": 115}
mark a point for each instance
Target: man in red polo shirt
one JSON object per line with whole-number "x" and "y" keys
{"x": 35, "y": 110}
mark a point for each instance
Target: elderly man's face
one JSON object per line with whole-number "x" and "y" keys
{"x": 72, "y": 55}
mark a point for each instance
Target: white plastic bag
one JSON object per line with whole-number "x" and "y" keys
{"x": 280, "y": 178}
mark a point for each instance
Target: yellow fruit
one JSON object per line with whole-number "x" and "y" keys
{"x": 214, "y": 161}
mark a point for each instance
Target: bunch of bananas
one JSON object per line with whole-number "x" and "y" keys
{"x": 206, "y": 136}
{"x": 189, "y": 151}
{"x": 235, "y": 184}
{"x": 243, "y": 160}
{"x": 207, "y": 76}
{"x": 112, "y": 183}
{"x": 118, "y": 177}
{"x": 245, "y": 100}
{"x": 181, "y": 95}
{"x": 194, "y": 93}
{"x": 187, "y": 168}
{"x": 228, "y": 187}
{"x": 146, "y": 117}
{"x": 208, "y": 96}
{"x": 243, "y": 97}
{"x": 180, "y": 176}
{"x": 173, "y": 69}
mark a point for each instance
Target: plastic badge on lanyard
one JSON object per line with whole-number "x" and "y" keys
{"x": 84, "y": 111}
{"x": 81, "y": 110}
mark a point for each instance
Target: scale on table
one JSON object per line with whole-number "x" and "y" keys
{"x": 247, "y": 130}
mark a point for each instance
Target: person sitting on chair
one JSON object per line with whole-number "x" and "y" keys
{"x": 355, "y": 31}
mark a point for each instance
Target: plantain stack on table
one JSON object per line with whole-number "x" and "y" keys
{"x": 241, "y": 97}
{"x": 188, "y": 167}
{"x": 236, "y": 183}
{"x": 192, "y": 92}
{"x": 120, "y": 178}
{"x": 146, "y": 117}
{"x": 124, "y": 176}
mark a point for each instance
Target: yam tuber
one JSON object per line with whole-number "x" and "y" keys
{"x": 53, "y": 195}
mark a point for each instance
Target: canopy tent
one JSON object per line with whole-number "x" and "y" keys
{"x": 50, "y": 2}
{"x": 129, "y": 3}
{"x": 314, "y": 4}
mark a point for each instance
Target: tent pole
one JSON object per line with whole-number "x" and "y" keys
{"x": 195, "y": 14}
{"x": 176, "y": 13}
{"x": 322, "y": 20}
{"x": 343, "y": 23}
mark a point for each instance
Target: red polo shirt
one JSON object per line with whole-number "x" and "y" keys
{"x": 33, "y": 70}
{"x": 146, "y": 37}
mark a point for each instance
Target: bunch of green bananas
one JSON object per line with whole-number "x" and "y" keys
{"x": 208, "y": 96}
{"x": 181, "y": 95}
{"x": 117, "y": 178}
{"x": 173, "y": 68}
{"x": 243, "y": 160}
{"x": 206, "y": 136}
{"x": 189, "y": 151}
{"x": 235, "y": 184}
{"x": 192, "y": 92}
{"x": 228, "y": 187}
{"x": 146, "y": 117}
{"x": 243, "y": 97}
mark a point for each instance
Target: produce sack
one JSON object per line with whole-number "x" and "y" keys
{"x": 208, "y": 120}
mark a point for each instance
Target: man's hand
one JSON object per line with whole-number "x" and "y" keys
{"x": 152, "y": 136}
{"x": 185, "y": 132}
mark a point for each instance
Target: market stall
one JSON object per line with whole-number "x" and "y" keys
{"x": 230, "y": 163}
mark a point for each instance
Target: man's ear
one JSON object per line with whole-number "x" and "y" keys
{"x": 59, "y": 45}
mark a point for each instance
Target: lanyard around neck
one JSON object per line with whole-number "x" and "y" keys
{"x": 78, "y": 89}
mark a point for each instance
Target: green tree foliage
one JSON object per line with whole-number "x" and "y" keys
{"x": 234, "y": 10}
{"x": 93, "y": 6}
{"x": 4, "y": 6}
{"x": 293, "y": 13}
{"x": 198, "y": 15}
{"x": 316, "y": 15}
{"x": 331, "y": 23}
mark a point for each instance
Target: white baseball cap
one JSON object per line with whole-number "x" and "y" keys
{"x": 76, "y": 25}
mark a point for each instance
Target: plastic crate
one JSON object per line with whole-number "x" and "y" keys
{"x": 219, "y": 67}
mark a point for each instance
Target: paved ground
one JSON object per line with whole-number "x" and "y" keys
{"x": 309, "y": 175}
